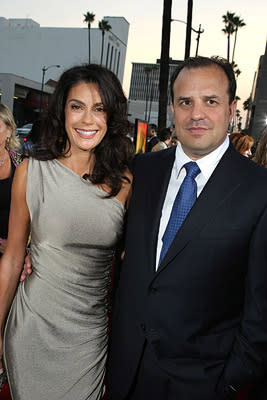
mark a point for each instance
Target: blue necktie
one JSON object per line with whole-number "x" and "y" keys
{"x": 183, "y": 203}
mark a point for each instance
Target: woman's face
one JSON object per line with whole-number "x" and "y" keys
{"x": 247, "y": 153}
{"x": 5, "y": 131}
{"x": 85, "y": 118}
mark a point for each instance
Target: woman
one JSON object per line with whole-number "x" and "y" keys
{"x": 9, "y": 159}
{"x": 242, "y": 143}
{"x": 261, "y": 150}
{"x": 72, "y": 197}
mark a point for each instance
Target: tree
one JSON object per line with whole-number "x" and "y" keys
{"x": 236, "y": 119}
{"x": 238, "y": 23}
{"x": 104, "y": 26}
{"x": 89, "y": 19}
{"x": 247, "y": 105}
{"x": 188, "y": 28}
{"x": 236, "y": 70}
{"x": 164, "y": 63}
{"x": 228, "y": 20}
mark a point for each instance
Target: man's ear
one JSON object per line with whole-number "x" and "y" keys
{"x": 232, "y": 109}
{"x": 172, "y": 108}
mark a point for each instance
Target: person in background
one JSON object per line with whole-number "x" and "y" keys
{"x": 261, "y": 150}
{"x": 33, "y": 138}
{"x": 242, "y": 143}
{"x": 164, "y": 140}
{"x": 9, "y": 159}
{"x": 152, "y": 138}
{"x": 174, "y": 140}
{"x": 71, "y": 195}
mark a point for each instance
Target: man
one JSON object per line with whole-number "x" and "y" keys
{"x": 164, "y": 140}
{"x": 190, "y": 317}
{"x": 152, "y": 137}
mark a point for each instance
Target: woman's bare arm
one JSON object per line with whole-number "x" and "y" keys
{"x": 18, "y": 231}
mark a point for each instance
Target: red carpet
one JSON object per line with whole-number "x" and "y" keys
{"x": 5, "y": 394}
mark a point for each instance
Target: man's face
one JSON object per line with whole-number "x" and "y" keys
{"x": 201, "y": 109}
{"x": 151, "y": 132}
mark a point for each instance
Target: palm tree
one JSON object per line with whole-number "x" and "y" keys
{"x": 188, "y": 28}
{"x": 228, "y": 29}
{"x": 236, "y": 70}
{"x": 247, "y": 107}
{"x": 104, "y": 26}
{"x": 89, "y": 19}
{"x": 238, "y": 23}
{"x": 237, "y": 118}
{"x": 164, "y": 63}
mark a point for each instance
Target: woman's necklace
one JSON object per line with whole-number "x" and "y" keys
{"x": 2, "y": 160}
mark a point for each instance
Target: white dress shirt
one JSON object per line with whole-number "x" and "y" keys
{"x": 206, "y": 165}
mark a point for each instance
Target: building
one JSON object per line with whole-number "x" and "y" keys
{"x": 144, "y": 92}
{"x": 258, "y": 110}
{"x": 26, "y": 48}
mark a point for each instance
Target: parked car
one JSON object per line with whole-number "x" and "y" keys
{"x": 23, "y": 132}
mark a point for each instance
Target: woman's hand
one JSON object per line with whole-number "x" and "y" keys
{"x": 27, "y": 267}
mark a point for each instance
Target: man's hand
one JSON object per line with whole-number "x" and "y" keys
{"x": 27, "y": 267}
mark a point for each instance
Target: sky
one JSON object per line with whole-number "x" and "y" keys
{"x": 145, "y": 19}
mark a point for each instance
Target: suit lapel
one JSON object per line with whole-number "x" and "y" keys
{"x": 155, "y": 199}
{"x": 224, "y": 180}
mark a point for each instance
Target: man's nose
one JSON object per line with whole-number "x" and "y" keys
{"x": 197, "y": 111}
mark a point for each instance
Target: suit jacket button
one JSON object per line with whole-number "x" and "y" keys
{"x": 153, "y": 289}
{"x": 143, "y": 327}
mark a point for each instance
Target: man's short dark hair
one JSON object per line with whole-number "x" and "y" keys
{"x": 164, "y": 134}
{"x": 200, "y": 62}
{"x": 154, "y": 127}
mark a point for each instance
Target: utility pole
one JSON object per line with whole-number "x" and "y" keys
{"x": 188, "y": 28}
{"x": 164, "y": 64}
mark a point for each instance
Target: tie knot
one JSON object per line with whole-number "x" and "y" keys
{"x": 192, "y": 169}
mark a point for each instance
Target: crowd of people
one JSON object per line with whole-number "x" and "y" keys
{"x": 188, "y": 239}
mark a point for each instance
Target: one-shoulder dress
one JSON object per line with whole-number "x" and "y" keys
{"x": 55, "y": 342}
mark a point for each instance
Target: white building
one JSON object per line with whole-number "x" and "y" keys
{"x": 258, "y": 111}
{"x": 144, "y": 92}
{"x": 26, "y": 48}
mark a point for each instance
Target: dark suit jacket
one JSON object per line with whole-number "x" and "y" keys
{"x": 151, "y": 143}
{"x": 204, "y": 311}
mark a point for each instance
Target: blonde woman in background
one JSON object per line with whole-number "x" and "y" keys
{"x": 9, "y": 159}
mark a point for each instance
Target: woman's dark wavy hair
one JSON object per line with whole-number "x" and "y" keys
{"x": 111, "y": 154}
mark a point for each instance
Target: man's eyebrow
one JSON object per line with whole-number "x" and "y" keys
{"x": 182, "y": 98}
{"x": 211, "y": 96}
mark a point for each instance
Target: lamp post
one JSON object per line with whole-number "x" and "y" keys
{"x": 44, "y": 69}
{"x": 199, "y": 31}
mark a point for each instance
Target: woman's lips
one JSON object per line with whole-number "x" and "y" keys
{"x": 86, "y": 133}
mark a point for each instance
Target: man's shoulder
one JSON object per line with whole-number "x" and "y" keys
{"x": 248, "y": 166}
{"x": 246, "y": 170}
{"x": 150, "y": 163}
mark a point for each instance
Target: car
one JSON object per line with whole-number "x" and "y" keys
{"x": 23, "y": 132}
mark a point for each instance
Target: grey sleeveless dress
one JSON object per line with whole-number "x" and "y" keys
{"x": 55, "y": 342}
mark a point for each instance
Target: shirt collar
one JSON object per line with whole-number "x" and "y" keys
{"x": 206, "y": 164}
